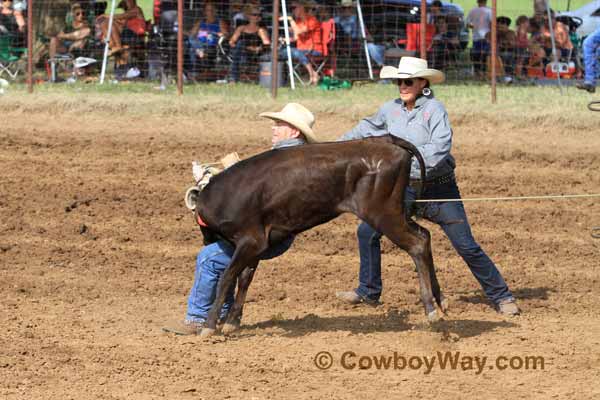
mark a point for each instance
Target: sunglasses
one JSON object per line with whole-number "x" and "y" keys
{"x": 407, "y": 82}
{"x": 78, "y": 14}
{"x": 255, "y": 15}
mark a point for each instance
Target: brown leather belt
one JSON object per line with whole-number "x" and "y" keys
{"x": 440, "y": 180}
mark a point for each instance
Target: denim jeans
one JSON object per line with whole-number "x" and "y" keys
{"x": 591, "y": 50}
{"x": 210, "y": 265}
{"x": 210, "y": 53}
{"x": 300, "y": 55}
{"x": 451, "y": 217}
{"x": 479, "y": 53}
{"x": 377, "y": 53}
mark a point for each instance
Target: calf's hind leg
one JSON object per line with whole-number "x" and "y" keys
{"x": 245, "y": 254}
{"x": 416, "y": 241}
{"x": 234, "y": 317}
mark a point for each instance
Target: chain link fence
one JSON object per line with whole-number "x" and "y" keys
{"x": 331, "y": 43}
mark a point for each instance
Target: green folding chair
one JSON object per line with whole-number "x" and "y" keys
{"x": 9, "y": 57}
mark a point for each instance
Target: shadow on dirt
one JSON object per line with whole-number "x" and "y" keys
{"x": 537, "y": 293}
{"x": 393, "y": 321}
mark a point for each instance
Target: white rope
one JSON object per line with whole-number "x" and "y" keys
{"x": 559, "y": 196}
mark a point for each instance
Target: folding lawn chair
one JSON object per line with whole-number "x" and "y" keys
{"x": 327, "y": 59}
{"x": 9, "y": 57}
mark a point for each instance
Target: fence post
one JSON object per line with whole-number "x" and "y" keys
{"x": 275, "y": 49}
{"x": 30, "y": 46}
{"x": 423, "y": 29}
{"x": 493, "y": 53}
{"x": 180, "y": 47}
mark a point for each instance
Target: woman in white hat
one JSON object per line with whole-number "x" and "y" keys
{"x": 421, "y": 119}
{"x": 292, "y": 126}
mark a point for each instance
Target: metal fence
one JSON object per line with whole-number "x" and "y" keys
{"x": 297, "y": 43}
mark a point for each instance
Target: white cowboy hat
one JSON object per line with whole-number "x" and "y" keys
{"x": 298, "y": 116}
{"x": 412, "y": 67}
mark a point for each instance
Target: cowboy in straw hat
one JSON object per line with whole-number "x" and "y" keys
{"x": 418, "y": 117}
{"x": 294, "y": 121}
{"x": 292, "y": 127}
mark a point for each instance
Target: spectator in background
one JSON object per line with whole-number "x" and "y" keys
{"x": 349, "y": 31}
{"x": 434, "y": 12}
{"x": 444, "y": 45}
{"x": 248, "y": 41}
{"x": 479, "y": 21}
{"x": 74, "y": 35}
{"x": 347, "y": 20}
{"x": 12, "y": 22}
{"x": 131, "y": 16}
{"x": 522, "y": 45}
{"x": 204, "y": 37}
{"x": 507, "y": 42}
{"x": 591, "y": 46}
{"x": 307, "y": 35}
{"x": 564, "y": 47}
{"x": 537, "y": 54}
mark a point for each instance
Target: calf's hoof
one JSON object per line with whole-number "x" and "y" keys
{"x": 444, "y": 305}
{"x": 207, "y": 332}
{"x": 432, "y": 317}
{"x": 229, "y": 328}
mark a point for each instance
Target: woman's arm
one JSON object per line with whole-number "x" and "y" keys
{"x": 298, "y": 29}
{"x": 375, "y": 125}
{"x": 235, "y": 36}
{"x": 264, "y": 36}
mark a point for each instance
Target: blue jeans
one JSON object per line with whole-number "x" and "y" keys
{"x": 479, "y": 53}
{"x": 377, "y": 53}
{"x": 591, "y": 50}
{"x": 210, "y": 265}
{"x": 300, "y": 55}
{"x": 210, "y": 54}
{"x": 451, "y": 217}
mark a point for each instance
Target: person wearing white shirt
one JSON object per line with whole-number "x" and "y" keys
{"x": 479, "y": 21}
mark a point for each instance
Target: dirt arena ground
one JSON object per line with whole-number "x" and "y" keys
{"x": 97, "y": 252}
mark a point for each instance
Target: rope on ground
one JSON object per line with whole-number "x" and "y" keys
{"x": 511, "y": 198}
{"x": 594, "y": 105}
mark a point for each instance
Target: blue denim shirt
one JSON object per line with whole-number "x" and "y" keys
{"x": 427, "y": 127}
{"x": 289, "y": 143}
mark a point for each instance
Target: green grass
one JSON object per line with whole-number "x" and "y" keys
{"x": 541, "y": 106}
{"x": 514, "y": 8}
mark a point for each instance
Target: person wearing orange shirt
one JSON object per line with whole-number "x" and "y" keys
{"x": 308, "y": 38}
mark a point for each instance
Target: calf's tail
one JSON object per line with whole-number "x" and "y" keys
{"x": 412, "y": 149}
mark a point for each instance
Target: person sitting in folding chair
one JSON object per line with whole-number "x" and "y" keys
{"x": 248, "y": 42}
{"x": 308, "y": 38}
{"x": 12, "y": 27}
{"x": 74, "y": 36}
{"x": 12, "y": 21}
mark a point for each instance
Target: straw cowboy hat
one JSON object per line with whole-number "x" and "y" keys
{"x": 412, "y": 67}
{"x": 298, "y": 116}
{"x": 347, "y": 3}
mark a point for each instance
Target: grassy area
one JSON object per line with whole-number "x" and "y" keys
{"x": 514, "y": 8}
{"x": 539, "y": 106}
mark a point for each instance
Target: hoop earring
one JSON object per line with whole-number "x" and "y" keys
{"x": 426, "y": 92}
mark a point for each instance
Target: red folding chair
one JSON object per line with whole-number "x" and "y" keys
{"x": 413, "y": 36}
